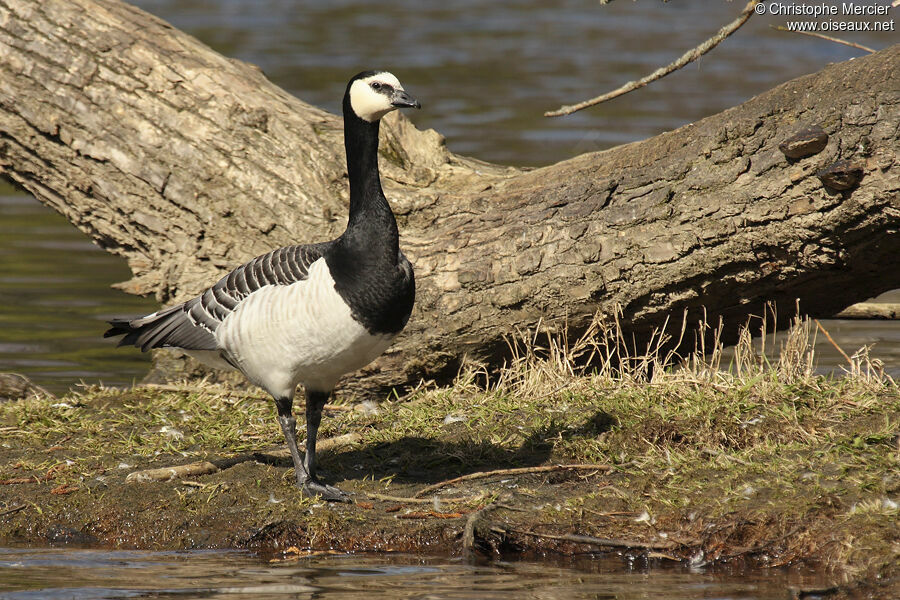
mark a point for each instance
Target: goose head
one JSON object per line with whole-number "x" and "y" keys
{"x": 373, "y": 94}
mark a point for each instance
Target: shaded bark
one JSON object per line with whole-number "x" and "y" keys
{"x": 187, "y": 163}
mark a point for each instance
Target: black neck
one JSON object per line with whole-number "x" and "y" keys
{"x": 370, "y": 214}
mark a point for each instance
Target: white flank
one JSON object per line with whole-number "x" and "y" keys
{"x": 283, "y": 335}
{"x": 369, "y": 104}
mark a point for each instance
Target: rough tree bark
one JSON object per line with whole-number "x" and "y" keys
{"x": 187, "y": 163}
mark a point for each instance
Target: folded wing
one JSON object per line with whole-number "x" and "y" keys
{"x": 192, "y": 324}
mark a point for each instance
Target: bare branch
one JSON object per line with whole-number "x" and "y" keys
{"x": 826, "y": 37}
{"x": 688, "y": 57}
{"x": 833, "y": 343}
{"x": 519, "y": 471}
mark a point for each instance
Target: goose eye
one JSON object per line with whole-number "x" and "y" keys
{"x": 376, "y": 85}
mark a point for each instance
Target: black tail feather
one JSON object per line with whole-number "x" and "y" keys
{"x": 118, "y": 327}
{"x": 169, "y": 328}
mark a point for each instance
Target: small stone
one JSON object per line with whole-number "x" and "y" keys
{"x": 842, "y": 175}
{"x": 805, "y": 142}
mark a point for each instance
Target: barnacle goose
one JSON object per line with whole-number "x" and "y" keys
{"x": 306, "y": 314}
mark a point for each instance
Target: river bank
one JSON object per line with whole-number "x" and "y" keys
{"x": 766, "y": 464}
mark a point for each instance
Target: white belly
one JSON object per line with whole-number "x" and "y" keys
{"x": 283, "y": 335}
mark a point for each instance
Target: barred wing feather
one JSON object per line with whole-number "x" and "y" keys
{"x": 192, "y": 324}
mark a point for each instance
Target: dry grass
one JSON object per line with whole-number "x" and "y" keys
{"x": 752, "y": 434}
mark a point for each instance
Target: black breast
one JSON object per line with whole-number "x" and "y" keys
{"x": 380, "y": 295}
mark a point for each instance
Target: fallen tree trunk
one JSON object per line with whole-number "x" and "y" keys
{"x": 187, "y": 163}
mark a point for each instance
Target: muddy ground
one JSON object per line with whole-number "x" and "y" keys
{"x": 759, "y": 472}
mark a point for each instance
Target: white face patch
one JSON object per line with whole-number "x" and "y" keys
{"x": 371, "y": 104}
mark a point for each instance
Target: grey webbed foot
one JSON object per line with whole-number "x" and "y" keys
{"x": 314, "y": 488}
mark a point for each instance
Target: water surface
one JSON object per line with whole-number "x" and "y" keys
{"x": 50, "y": 574}
{"x": 55, "y": 295}
{"x": 487, "y": 71}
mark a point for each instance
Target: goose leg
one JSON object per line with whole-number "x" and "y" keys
{"x": 315, "y": 402}
{"x": 289, "y": 429}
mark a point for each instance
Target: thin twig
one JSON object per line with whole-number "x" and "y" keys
{"x": 520, "y": 471}
{"x": 431, "y": 514}
{"x": 686, "y": 58}
{"x": 12, "y": 510}
{"x": 833, "y": 343}
{"x": 594, "y": 541}
{"x": 205, "y": 467}
{"x": 825, "y": 37}
{"x": 612, "y": 513}
{"x": 405, "y": 500}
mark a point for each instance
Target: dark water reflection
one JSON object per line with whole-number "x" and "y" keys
{"x": 486, "y": 71}
{"x": 54, "y": 298}
{"x": 54, "y": 574}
